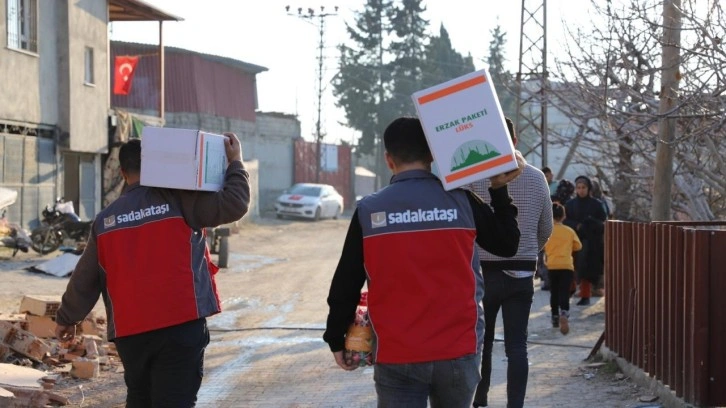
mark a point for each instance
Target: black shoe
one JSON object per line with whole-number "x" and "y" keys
{"x": 584, "y": 301}
{"x": 555, "y": 322}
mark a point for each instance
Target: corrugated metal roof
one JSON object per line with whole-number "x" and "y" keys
{"x": 194, "y": 82}
{"x": 153, "y": 48}
{"x": 137, "y": 10}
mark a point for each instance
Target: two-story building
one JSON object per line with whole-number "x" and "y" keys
{"x": 55, "y": 99}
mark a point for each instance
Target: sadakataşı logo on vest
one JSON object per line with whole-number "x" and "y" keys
{"x": 380, "y": 219}
{"x": 141, "y": 214}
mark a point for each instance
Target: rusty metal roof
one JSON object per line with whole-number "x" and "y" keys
{"x": 137, "y": 10}
{"x": 152, "y": 48}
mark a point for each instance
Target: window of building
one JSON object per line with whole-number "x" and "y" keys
{"x": 88, "y": 77}
{"x": 23, "y": 24}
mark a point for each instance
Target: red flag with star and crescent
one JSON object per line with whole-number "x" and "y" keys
{"x": 124, "y": 68}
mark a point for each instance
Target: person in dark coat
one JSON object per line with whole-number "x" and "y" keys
{"x": 586, "y": 216}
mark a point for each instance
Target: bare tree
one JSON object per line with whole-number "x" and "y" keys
{"x": 608, "y": 84}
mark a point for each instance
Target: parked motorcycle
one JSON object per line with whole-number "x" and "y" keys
{"x": 60, "y": 224}
{"x": 11, "y": 235}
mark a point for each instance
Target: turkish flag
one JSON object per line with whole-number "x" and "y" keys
{"x": 124, "y": 69}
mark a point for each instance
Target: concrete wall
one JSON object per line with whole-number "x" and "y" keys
{"x": 268, "y": 141}
{"x": 213, "y": 124}
{"x": 49, "y": 67}
{"x": 47, "y": 90}
{"x": 88, "y": 117}
{"x": 274, "y": 150}
{"x": 20, "y": 73}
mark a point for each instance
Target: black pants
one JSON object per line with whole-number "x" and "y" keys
{"x": 164, "y": 368}
{"x": 514, "y": 297}
{"x": 560, "y": 281}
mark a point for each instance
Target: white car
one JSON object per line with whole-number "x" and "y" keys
{"x": 309, "y": 200}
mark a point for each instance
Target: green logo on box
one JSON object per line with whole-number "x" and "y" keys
{"x": 472, "y": 152}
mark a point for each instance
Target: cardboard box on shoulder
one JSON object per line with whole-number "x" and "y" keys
{"x": 182, "y": 158}
{"x": 465, "y": 129}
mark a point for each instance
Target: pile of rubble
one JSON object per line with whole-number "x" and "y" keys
{"x": 33, "y": 361}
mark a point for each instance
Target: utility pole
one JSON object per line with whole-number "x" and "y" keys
{"x": 311, "y": 16}
{"x": 663, "y": 174}
{"x": 532, "y": 75}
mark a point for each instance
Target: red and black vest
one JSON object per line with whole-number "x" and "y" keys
{"x": 424, "y": 284}
{"x": 157, "y": 268}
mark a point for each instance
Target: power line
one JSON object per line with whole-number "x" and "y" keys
{"x": 311, "y": 15}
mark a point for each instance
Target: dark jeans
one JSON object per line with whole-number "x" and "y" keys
{"x": 443, "y": 383}
{"x": 560, "y": 281}
{"x": 164, "y": 368}
{"x": 543, "y": 271}
{"x": 514, "y": 297}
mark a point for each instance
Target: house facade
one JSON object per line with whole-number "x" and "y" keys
{"x": 59, "y": 118}
{"x": 55, "y": 100}
{"x": 215, "y": 94}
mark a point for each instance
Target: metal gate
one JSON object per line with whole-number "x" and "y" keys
{"x": 28, "y": 165}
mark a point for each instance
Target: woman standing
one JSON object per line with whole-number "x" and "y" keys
{"x": 586, "y": 216}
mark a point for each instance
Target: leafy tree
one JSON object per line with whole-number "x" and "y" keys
{"x": 380, "y": 67}
{"x": 442, "y": 62}
{"x": 503, "y": 80}
{"x": 362, "y": 84}
{"x": 408, "y": 53}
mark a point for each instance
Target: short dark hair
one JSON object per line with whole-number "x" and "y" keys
{"x": 558, "y": 211}
{"x": 130, "y": 156}
{"x": 546, "y": 170}
{"x": 405, "y": 141}
{"x": 510, "y": 128}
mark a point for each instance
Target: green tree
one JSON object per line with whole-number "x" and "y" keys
{"x": 380, "y": 67}
{"x": 408, "y": 54}
{"x": 362, "y": 80}
{"x": 502, "y": 79}
{"x": 442, "y": 62}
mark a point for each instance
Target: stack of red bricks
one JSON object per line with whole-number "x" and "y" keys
{"x": 28, "y": 339}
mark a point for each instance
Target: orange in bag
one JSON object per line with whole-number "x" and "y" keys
{"x": 359, "y": 339}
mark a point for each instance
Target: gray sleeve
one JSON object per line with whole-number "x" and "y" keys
{"x": 83, "y": 289}
{"x": 210, "y": 209}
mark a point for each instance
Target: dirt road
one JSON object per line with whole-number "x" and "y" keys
{"x": 278, "y": 278}
{"x": 266, "y": 348}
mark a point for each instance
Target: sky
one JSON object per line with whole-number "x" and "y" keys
{"x": 263, "y": 33}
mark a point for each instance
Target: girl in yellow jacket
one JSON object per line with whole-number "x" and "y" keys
{"x": 558, "y": 257}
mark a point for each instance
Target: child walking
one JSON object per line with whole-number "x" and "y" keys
{"x": 558, "y": 258}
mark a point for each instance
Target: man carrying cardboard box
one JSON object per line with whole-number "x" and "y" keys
{"x": 147, "y": 256}
{"x": 414, "y": 242}
{"x": 508, "y": 282}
